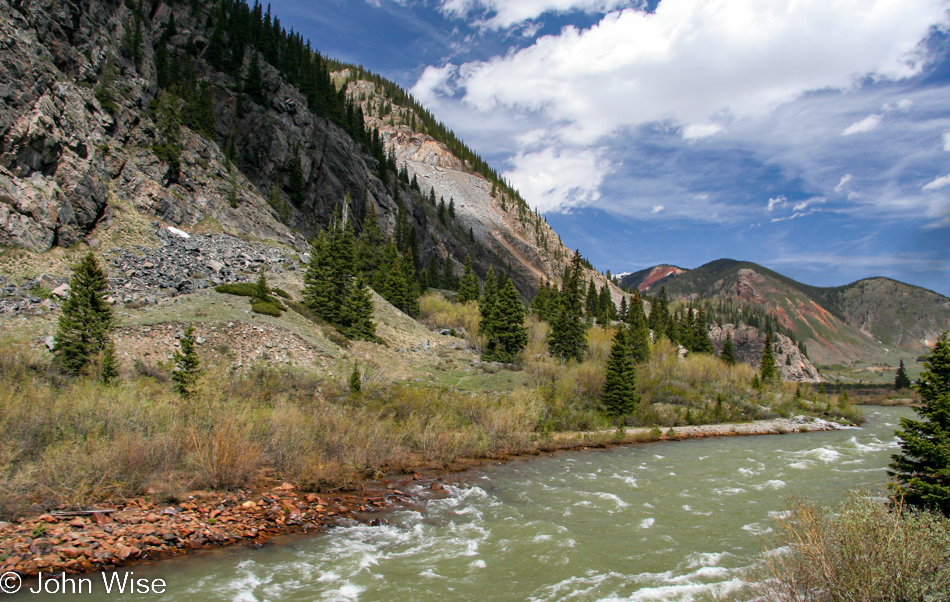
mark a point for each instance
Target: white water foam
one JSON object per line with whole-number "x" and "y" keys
{"x": 647, "y": 523}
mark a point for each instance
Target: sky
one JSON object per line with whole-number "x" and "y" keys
{"x": 810, "y": 136}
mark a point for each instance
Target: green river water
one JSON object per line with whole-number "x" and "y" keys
{"x": 661, "y": 521}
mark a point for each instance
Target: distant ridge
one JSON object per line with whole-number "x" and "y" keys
{"x": 874, "y": 320}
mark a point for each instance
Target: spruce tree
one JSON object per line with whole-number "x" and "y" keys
{"x": 433, "y": 277}
{"x": 728, "y": 354}
{"x": 622, "y": 312}
{"x": 318, "y": 281}
{"x": 568, "y": 336}
{"x": 768, "y": 371}
{"x": 108, "y": 363}
{"x": 187, "y": 364}
{"x": 592, "y": 304}
{"x": 86, "y": 322}
{"x": 901, "y": 380}
{"x": 468, "y": 286}
{"x": 254, "y": 82}
{"x": 509, "y": 334}
{"x": 619, "y": 394}
{"x": 659, "y": 314}
{"x": 700, "y": 339}
{"x": 357, "y": 312}
{"x": 639, "y": 333}
{"x": 356, "y": 385}
{"x": 261, "y": 290}
{"x": 922, "y": 469}
{"x": 488, "y": 306}
{"x": 369, "y": 248}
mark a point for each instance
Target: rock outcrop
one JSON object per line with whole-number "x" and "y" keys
{"x": 749, "y": 342}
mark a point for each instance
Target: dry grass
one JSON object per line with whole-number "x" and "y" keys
{"x": 437, "y": 312}
{"x": 865, "y": 550}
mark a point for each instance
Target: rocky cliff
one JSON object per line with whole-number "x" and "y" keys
{"x": 81, "y": 130}
{"x": 749, "y": 343}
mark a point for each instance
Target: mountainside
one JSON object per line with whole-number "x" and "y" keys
{"x": 875, "y": 321}
{"x": 650, "y": 279}
{"x": 215, "y": 118}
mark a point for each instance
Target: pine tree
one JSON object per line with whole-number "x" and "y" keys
{"x": 700, "y": 339}
{"x": 623, "y": 311}
{"x": 369, "y": 248}
{"x": 592, "y": 302}
{"x": 922, "y": 469}
{"x": 639, "y": 333}
{"x": 318, "y": 281}
{"x": 86, "y": 322}
{"x": 187, "y": 364}
{"x": 254, "y": 82}
{"x": 488, "y": 306}
{"x": 606, "y": 310}
{"x": 468, "y": 287}
{"x": 509, "y": 334}
{"x": 356, "y": 386}
{"x": 728, "y": 354}
{"x": 659, "y": 314}
{"x": 261, "y": 290}
{"x": 768, "y": 371}
{"x": 901, "y": 380}
{"x": 357, "y": 312}
{"x": 433, "y": 277}
{"x": 108, "y": 363}
{"x": 619, "y": 395}
{"x": 568, "y": 336}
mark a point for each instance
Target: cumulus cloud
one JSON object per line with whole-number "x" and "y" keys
{"x": 867, "y": 124}
{"x": 695, "y": 67}
{"x": 938, "y": 183}
{"x": 556, "y": 179}
{"x": 746, "y": 56}
{"x": 503, "y": 14}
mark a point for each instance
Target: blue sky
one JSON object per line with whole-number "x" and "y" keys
{"x": 811, "y": 136}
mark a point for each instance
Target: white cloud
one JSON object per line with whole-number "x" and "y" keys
{"x": 946, "y": 141}
{"x": 746, "y": 56}
{"x": 845, "y": 180}
{"x": 434, "y": 83}
{"x": 697, "y": 131}
{"x": 865, "y": 125}
{"x": 938, "y": 183}
{"x": 779, "y": 201}
{"x": 657, "y": 208}
{"x": 808, "y": 203}
{"x": 507, "y": 13}
{"x": 556, "y": 179}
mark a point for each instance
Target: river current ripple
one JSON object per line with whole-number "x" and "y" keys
{"x": 664, "y": 521}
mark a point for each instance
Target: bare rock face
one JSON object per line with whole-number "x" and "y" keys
{"x": 748, "y": 343}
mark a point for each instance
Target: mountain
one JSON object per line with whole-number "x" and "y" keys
{"x": 873, "y": 321}
{"x": 215, "y": 118}
{"x": 650, "y": 278}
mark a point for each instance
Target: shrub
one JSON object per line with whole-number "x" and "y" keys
{"x": 865, "y": 549}
{"x": 267, "y": 308}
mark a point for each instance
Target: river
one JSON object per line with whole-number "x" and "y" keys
{"x": 660, "y": 521}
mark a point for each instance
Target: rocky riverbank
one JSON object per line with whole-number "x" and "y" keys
{"x": 137, "y": 530}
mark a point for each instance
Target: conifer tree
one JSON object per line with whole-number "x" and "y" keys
{"x": 369, "y": 248}
{"x": 468, "y": 287}
{"x": 488, "y": 306}
{"x": 108, "y": 363}
{"x": 547, "y": 302}
{"x": 449, "y": 280}
{"x": 261, "y": 290}
{"x": 922, "y": 469}
{"x": 768, "y": 371}
{"x": 433, "y": 277}
{"x": 187, "y": 364}
{"x": 659, "y": 314}
{"x": 619, "y": 395}
{"x": 591, "y": 303}
{"x": 901, "y": 380}
{"x": 508, "y": 334}
{"x": 728, "y": 354}
{"x": 606, "y": 310}
{"x": 638, "y": 335}
{"x": 700, "y": 339}
{"x": 254, "y": 82}
{"x": 356, "y": 385}
{"x": 622, "y": 312}
{"x": 357, "y": 312}
{"x": 568, "y": 336}
{"x": 86, "y": 322}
